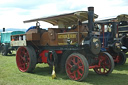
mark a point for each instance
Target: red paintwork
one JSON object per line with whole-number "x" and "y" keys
{"x": 79, "y": 71}
{"x": 44, "y": 58}
{"x": 59, "y": 51}
{"x": 117, "y": 59}
{"x": 95, "y": 66}
{"x": 104, "y": 64}
{"x": 22, "y": 59}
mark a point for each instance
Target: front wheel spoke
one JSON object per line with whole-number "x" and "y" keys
{"x": 81, "y": 67}
{"x": 106, "y": 65}
{"x": 79, "y": 74}
{"x": 99, "y": 69}
{"x": 73, "y": 60}
{"x": 106, "y": 70}
{"x": 78, "y": 61}
{"x": 74, "y": 75}
{"x": 100, "y": 62}
{"x": 103, "y": 70}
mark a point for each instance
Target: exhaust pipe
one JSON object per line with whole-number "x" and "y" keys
{"x": 91, "y": 43}
{"x": 114, "y": 29}
{"x": 3, "y": 29}
{"x": 91, "y": 19}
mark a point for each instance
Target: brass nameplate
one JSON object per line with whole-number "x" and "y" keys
{"x": 60, "y": 36}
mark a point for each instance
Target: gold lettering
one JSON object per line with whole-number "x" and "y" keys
{"x": 73, "y": 36}
{"x": 62, "y": 36}
{"x": 67, "y": 36}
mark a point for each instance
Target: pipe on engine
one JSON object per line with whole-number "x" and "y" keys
{"x": 114, "y": 29}
{"x": 91, "y": 19}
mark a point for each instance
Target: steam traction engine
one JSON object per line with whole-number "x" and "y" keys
{"x": 111, "y": 42}
{"x": 74, "y": 50}
{"x": 123, "y": 29}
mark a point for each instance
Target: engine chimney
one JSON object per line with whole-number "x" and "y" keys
{"x": 91, "y": 19}
{"x": 3, "y": 29}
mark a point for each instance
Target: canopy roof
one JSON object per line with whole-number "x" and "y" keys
{"x": 65, "y": 19}
{"x": 122, "y": 17}
{"x": 5, "y": 36}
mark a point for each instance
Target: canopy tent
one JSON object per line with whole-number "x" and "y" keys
{"x": 64, "y": 19}
{"x": 122, "y": 17}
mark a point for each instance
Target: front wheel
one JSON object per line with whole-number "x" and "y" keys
{"x": 121, "y": 59}
{"x": 106, "y": 64}
{"x": 77, "y": 67}
{"x": 26, "y": 59}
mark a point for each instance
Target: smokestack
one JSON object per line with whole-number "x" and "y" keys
{"x": 114, "y": 29}
{"x": 91, "y": 19}
{"x": 3, "y": 29}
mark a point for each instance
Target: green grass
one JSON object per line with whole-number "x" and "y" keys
{"x": 10, "y": 75}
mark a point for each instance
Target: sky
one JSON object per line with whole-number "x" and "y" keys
{"x": 14, "y": 12}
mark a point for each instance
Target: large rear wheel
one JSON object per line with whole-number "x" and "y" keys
{"x": 77, "y": 67}
{"x": 26, "y": 59}
{"x": 106, "y": 64}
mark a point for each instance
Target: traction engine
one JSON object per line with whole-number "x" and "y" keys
{"x": 74, "y": 49}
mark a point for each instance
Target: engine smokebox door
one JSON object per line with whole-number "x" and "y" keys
{"x": 69, "y": 38}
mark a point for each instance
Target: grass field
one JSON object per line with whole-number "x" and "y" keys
{"x": 10, "y": 75}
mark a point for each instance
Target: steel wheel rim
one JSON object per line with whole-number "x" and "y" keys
{"x": 22, "y": 59}
{"x": 105, "y": 64}
{"x": 75, "y": 68}
{"x": 121, "y": 59}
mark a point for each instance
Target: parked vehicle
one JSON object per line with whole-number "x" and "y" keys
{"x": 5, "y": 47}
{"x": 0, "y": 38}
{"x": 123, "y": 29}
{"x": 75, "y": 49}
{"x": 122, "y": 21}
{"x": 111, "y": 43}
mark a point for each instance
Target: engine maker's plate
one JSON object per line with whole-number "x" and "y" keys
{"x": 67, "y": 38}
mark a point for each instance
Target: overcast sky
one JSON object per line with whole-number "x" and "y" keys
{"x": 14, "y": 12}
